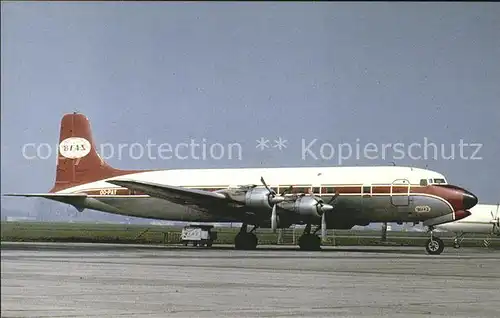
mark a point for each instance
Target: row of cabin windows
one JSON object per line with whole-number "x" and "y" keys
{"x": 365, "y": 189}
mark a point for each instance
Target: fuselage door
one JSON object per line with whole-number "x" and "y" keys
{"x": 400, "y": 192}
{"x": 366, "y": 191}
{"x": 366, "y": 197}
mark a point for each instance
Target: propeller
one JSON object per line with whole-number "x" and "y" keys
{"x": 274, "y": 199}
{"x": 323, "y": 209}
{"x": 273, "y": 196}
{"x": 495, "y": 220}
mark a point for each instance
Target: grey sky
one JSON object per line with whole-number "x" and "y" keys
{"x": 234, "y": 72}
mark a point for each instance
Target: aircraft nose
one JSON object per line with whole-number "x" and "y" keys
{"x": 469, "y": 200}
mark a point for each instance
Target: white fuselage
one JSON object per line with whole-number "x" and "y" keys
{"x": 480, "y": 221}
{"x": 319, "y": 180}
{"x": 274, "y": 177}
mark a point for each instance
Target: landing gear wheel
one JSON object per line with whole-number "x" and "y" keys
{"x": 434, "y": 246}
{"x": 310, "y": 242}
{"x": 245, "y": 241}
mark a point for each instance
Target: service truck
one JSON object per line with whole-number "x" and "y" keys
{"x": 198, "y": 235}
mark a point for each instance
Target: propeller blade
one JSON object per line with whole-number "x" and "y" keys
{"x": 262, "y": 180}
{"x": 265, "y": 184}
{"x": 289, "y": 189}
{"x": 323, "y": 227}
{"x": 495, "y": 219}
{"x": 274, "y": 219}
{"x": 333, "y": 198}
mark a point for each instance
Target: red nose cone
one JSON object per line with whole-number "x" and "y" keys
{"x": 461, "y": 214}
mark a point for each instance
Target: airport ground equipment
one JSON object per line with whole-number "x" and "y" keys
{"x": 198, "y": 235}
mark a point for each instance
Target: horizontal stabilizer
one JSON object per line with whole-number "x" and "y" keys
{"x": 47, "y": 195}
{"x": 75, "y": 199}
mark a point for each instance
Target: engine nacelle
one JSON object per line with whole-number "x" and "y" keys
{"x": 258, "y": 198}
{"x": 305, "y": 206}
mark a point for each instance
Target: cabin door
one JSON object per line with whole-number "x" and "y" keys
{"x": 400, "y": 192}
{"x": 367, "y": 197}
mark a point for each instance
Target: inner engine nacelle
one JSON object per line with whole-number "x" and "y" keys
{"x": 258, "y": 198}
{"x": 305, "y": 206}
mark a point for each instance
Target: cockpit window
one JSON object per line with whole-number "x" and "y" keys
{"x": 425, "y": 182}
{"x": 439, "y": 181}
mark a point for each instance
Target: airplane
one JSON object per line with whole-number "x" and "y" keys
{"x": 484, "y": 219}
{"x": 326, "y": 197}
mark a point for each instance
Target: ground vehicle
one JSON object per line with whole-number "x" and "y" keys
{"x": 198, "y": 234}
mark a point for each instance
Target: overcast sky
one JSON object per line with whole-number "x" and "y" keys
{"x": 354, "y": 73}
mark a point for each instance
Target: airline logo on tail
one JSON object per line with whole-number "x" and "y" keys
{"x": 74, "y": 147}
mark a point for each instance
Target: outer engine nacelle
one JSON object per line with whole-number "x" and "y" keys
{"x": 305, "y": 206}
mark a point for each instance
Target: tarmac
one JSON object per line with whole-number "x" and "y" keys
{"x": 106, "y": 280}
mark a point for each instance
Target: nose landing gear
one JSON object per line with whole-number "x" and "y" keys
{"x": 434, "y": 245}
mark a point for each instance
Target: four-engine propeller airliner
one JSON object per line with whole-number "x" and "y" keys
{"x": 324, "y": 197}
{"x": 484, "y": 219}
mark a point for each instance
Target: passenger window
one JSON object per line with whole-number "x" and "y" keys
{"x": 423, "y": 182}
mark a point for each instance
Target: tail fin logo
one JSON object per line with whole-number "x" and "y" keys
{"x": 74, "y": 147}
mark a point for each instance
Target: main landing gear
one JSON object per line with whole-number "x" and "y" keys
{"x": 434, "y": 245}
{"x": 308, "y": 241}
{"x": 246, "y": 240}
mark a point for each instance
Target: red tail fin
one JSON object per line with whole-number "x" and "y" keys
{"x": 78, "y": 161}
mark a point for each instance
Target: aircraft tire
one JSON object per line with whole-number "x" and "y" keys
{"x": 310, "y": 242}
{"x": 434, "y": 246}
{"x": 245, "y": 241}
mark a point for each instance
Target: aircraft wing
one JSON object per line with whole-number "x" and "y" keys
{"x": 75, "y": 199}
{"x": 203, "y": 200}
